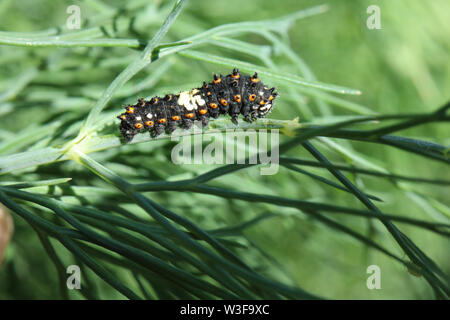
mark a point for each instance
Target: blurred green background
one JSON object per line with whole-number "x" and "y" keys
{"x": 402, "y": 68}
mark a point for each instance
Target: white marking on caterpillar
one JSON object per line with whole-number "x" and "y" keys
{"x": 185, "y": 100}
{"x": 266, "y": 108}
{"x": 199, "y": 101}
{"x": 149, "y": 115}
{"x": 189, "y": 101}
{"x": 138, "y": 118}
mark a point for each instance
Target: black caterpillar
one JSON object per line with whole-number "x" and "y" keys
{"x": 232, "y": 95}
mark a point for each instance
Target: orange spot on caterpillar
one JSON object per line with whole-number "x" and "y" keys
{"x": 237, "y": 98}
{"x": 235, "y": 74}
{"x": 223, "y": 102}
{"x": 189, "y": 115}
{"x": 130, "y": 110}
{"x": 202, "y": 111}
{"x": 252, "y": 97}
{"x": 254, "y": 78}
{"x": 163, "y": 120}
{"x": 217, "y": 79}
{"x": 213, "y": 105}
{"x": 176, "y": 118}
{"x": 138, "y": 125}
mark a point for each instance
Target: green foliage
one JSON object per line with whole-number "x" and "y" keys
{"x": 363, "y": 173}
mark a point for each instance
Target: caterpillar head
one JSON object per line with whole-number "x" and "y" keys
{"x": 265, "y": 103}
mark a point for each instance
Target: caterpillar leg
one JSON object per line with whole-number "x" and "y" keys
{"x": 157, "y": 130}
{"x": 172, "y": 127}
{"x": 235, "y": 110}
{"x": 187, "y": 124}
{"x": 248, "y": 118}
{"x": 127, "y": 131}
{"x": 205, "y": 121}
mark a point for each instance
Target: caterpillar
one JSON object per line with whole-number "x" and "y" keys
{"x": 231, "y": 95}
